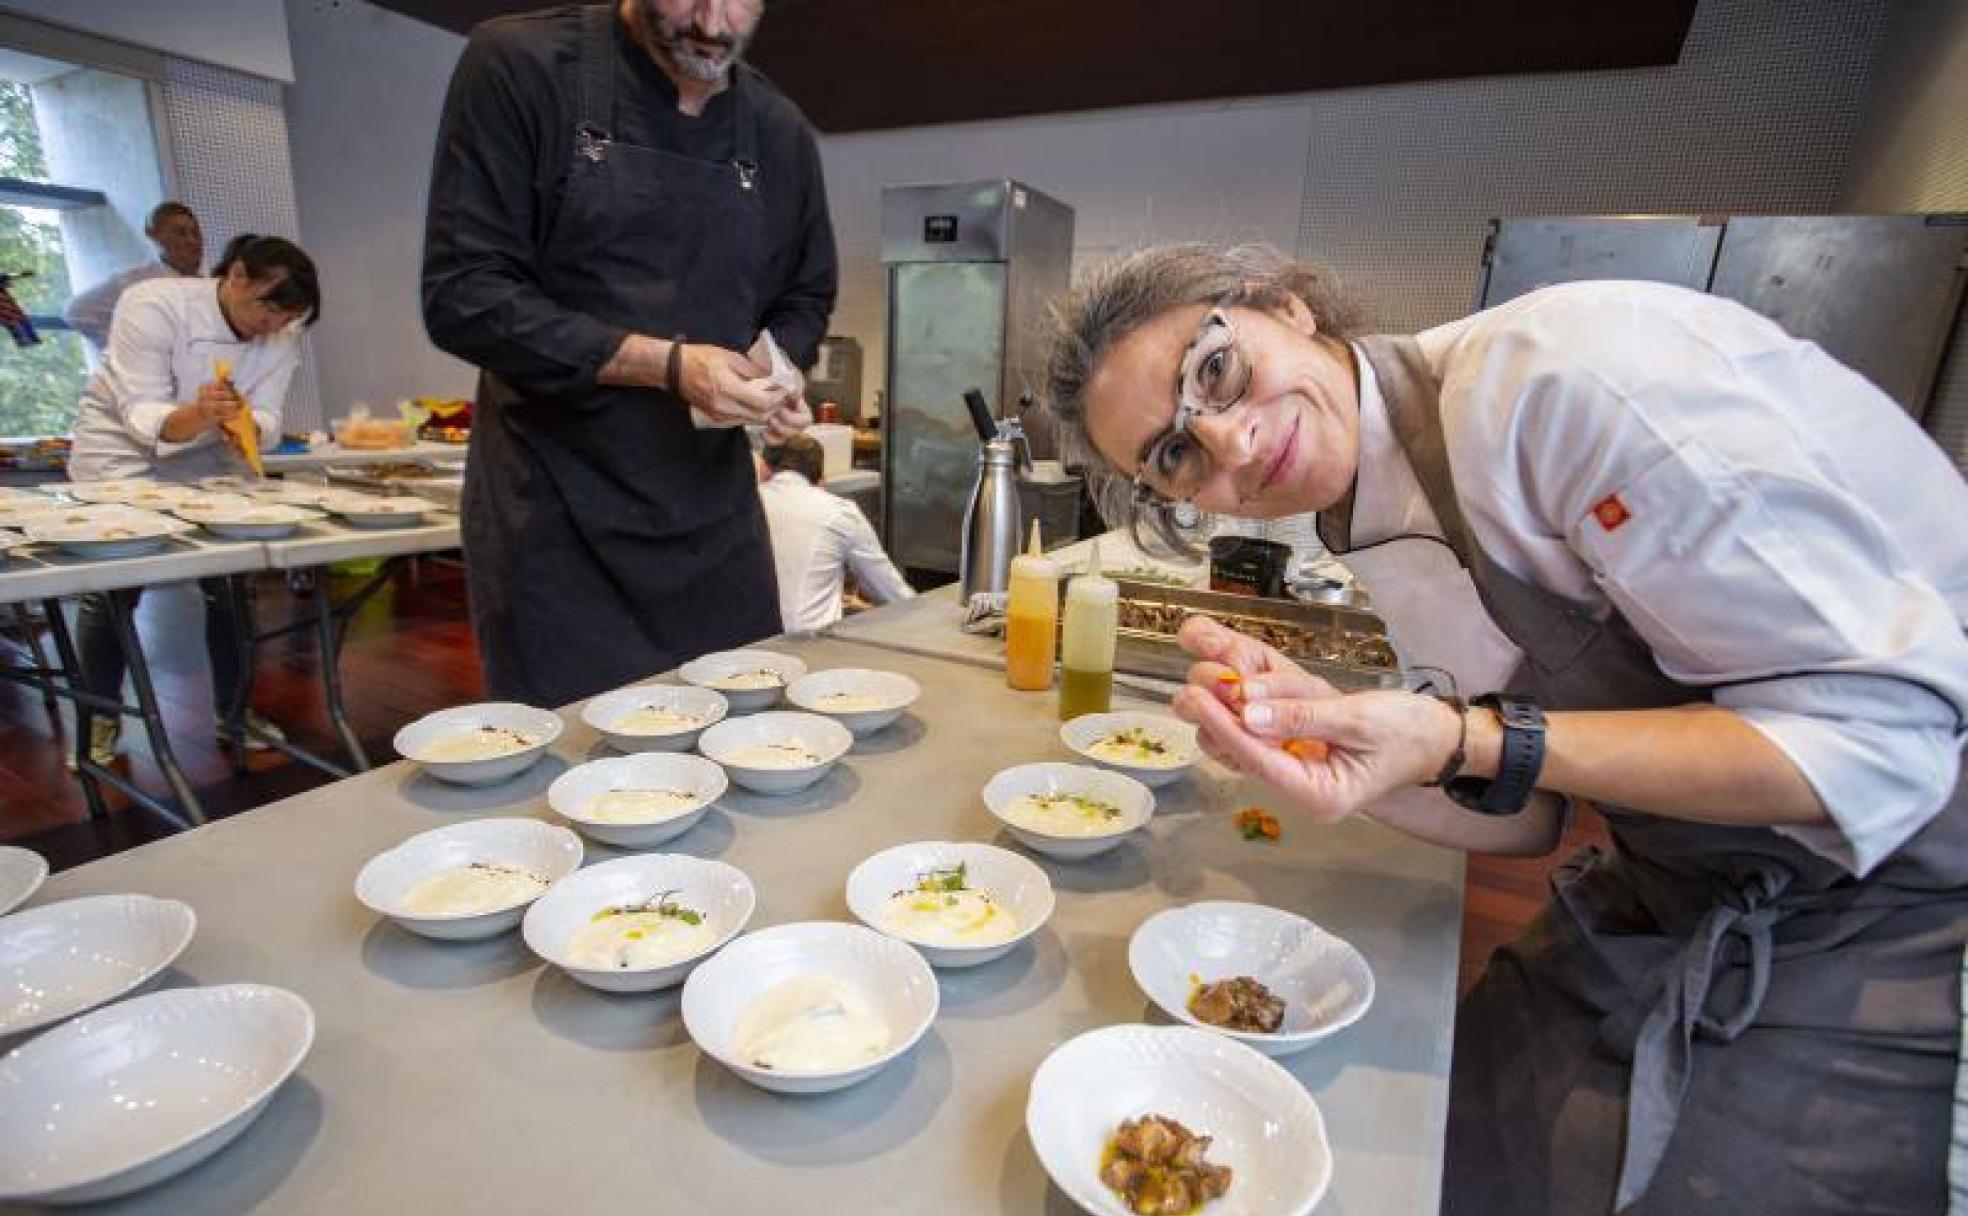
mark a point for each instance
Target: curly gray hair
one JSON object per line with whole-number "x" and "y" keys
{"x": 1114, "y": 300}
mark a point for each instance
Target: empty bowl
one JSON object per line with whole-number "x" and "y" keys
{"x": 655, "y": 717}
{"x": 861, "y": 699}
{"x": 810, "y": 1007}
{"x": 468, "y": 880}
{"x": 62, "y": 958}
{"x": 22, "y": 871}
{"x": 776, "y": 752}
{"x": 479, "y": 744}
{"x": 1324, "y": 982}
{"x": 674, "y": 911}
{"x": 750, "y": 680}
{"x": 637, "y": 801}
{"x": 961, "y": 904}
{"x": 1154, "y": 749}
{"x": 1069, "y": 811}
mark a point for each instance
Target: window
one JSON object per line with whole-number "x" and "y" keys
{"x": 39, "y": 385}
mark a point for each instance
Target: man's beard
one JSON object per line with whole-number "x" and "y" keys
{"x": 674, "y": 39}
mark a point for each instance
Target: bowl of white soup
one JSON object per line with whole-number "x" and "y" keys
{"x": 861, "y": 699}
{"x": 468, "y": 880}
{"x": 960, "y": 904}
{"x": 635, "y": 802}
{"x": 637, "y": 924}
{"x": 749, "y": 679}
{"x": 1068, "y": 811}
{"x": 655, "y": 717}
{"x": 1154, "y": 749}
{"x": 479, "y": 744}
{"x": 776, "y": 752}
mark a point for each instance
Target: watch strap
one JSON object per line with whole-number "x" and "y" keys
{"x": 1519, "y": 763}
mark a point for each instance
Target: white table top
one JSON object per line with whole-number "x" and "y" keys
{"x": 334, "y": 455}
{"x": 473, "y": 1077}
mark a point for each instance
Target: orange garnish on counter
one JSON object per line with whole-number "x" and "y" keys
{"x": 1256, "y": 824}
{"x": 1315, "y": 750}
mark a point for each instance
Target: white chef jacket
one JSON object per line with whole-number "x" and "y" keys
{"x": 816, "y": 538}
{"x": 1774, "y": 526}
{"x": 90, "y": 312}
{"x": 166, "y": 337}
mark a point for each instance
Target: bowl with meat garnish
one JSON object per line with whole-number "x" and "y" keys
{"x": 776, "y": 752}
{"x": 1145, "y": 1120}
{"x": 637, "y": 924}
{"x": 468, "y": 880}
{"x": 1068, "y": 811}
{"x": 960, "y": 903}
{"x": 639, "y": 801}
{"x": 479, "y": 744}
{"x": 1260, "y": 975}
{"x": 1154, "y": 749}
{"x": 655, "y": 717}
{"x": 750, "y": 680}
{"x": 861, "y": 699}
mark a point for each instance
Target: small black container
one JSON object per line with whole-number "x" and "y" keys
{"x": 1243, "y": 565}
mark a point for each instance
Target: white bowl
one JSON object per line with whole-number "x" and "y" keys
{"x": 59, "y": 959}
{"x": 706, "y": 671}
{"x": 1325, "y": 983}
{"x": 1135, "y": 800}
{"x": 892, "y": 693}
{"x": 571, "y": 792}
{"x": 1084, "y": 731}
{"x": 369, "y": 511}
{"x": 550, "y": 852}
{"x": 115, "y": 532}
{"x": 893, "y": 976}
{"x": 22, "y": 871}
{"x": 604, "y": 711}
{"x": 541, "y": 725}
{"x": 1260, "y": 1120}
{"x": 248, "y": 520}
{"x": 1020, "y": 889}
{"x": 824, "y": 736}
{"x": 721, "y": 893}
{"x": 133, "y": 1094}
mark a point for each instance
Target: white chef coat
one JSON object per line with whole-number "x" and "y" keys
{"x": 1774, "y": 526}
{"x": 816, "y": 538}
{"x": 166, "y": 337}
{"x": 90, "y": 312}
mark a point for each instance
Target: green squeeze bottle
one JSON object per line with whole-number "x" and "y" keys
{"x": 1086, "y": 652}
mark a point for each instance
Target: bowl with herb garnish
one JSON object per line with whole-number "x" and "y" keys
{"x": 776, "y": 752}
{"x": 1068, "y": 811}
{"x": 959, "y": 903}
{"x": 639, "y": 801}
{"x": 637, "y": 924}
{"x": 1154, "y": 749}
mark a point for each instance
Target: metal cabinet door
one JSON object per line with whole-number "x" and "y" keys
{"x": 1878, "y": 292}
{"x": 1526, "y": 254}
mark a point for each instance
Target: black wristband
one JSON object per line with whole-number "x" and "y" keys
{"x": 674, "y": 373}
{"x": 1520, "y": 761}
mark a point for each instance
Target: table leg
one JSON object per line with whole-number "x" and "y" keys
{"x": 331, "y": 630}
{"x": 153, "y": 718}
{"x": 245, "y": 653}
{"x": 71, "y": 672}
{"x": 31, "y": 637}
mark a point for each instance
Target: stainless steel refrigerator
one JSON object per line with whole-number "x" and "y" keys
{"x": 972, "y": 267}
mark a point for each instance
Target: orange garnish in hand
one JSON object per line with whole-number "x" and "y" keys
{"x": 1315, "y": 750}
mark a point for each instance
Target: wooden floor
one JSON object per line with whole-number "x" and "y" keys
{"x": 410, "y": 651}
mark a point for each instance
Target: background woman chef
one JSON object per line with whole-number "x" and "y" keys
{"x": 1721, "y": 580}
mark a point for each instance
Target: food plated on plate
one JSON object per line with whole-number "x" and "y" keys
{"x": 1161, "y": 1168}
{"x": 638, "y": 924}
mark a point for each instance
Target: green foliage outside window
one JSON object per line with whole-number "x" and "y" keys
{"x": 39, "y": 385}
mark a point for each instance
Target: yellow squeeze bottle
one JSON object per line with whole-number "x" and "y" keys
{"x": 1032, "y": 618}
{"x": 1086, "y": 667}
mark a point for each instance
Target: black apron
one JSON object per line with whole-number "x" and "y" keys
{"x": 1706, "y": 1019}
{"x": 607, "y": 539}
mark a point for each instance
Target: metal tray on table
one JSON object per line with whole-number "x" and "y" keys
{"x": 1347, "y": 646}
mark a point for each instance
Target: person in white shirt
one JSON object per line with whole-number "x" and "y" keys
{"x": 1722, "y": 584}
{"x": 173, "y": 228}
{"x": 817, "y": 538}
{"x": 158, "y": 405}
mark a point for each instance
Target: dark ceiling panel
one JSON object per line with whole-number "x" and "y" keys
{"x": 858, "y": 65}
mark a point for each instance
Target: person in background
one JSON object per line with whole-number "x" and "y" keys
{"x": 620, "y": 208}
{"x": 174, "y": 229}
{"x": 817, "y": 539}
{"x": 157, "y": 408}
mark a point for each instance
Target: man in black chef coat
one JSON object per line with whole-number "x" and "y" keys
{"x": 619, "y": 207}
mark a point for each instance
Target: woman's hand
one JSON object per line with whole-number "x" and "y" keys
{"x": 217, "y": 402}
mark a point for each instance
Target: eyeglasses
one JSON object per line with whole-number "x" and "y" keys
{"x": 1213, "y": 376}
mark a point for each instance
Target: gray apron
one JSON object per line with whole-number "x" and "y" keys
{"x": 606, "y": 538}
{"x": 1706, "y": 1018}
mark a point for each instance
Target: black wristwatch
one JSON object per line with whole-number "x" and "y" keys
{"x": 1518, "y": 765}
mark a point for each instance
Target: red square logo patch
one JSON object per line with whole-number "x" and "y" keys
{"x": 1611, "y": 512}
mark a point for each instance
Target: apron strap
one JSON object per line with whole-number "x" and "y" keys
{"x": 1414, "y": 410}
{"x": 597, "y": 112}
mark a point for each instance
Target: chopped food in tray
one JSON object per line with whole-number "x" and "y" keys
{"x": 1351, "y": 647}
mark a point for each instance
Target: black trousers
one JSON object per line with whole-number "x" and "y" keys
{"x": 102, "y": 658}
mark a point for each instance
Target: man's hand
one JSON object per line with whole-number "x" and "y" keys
{"x": 730, "y": 389}
{"x": 787, "y": 422}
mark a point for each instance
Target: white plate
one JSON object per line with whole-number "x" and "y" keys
{"x": 892, "y": 975}
{"x": 704, "y": 672}
{"x": 1020, "y": 889}
{"x": 1135, "y": 800}
{"x": 131, "y": 1095}
{"x": 59, "y": 959}
{"x": 571, "y": 792}
{"x": 22, "y": 871}
{"x": 297, "y": 493}
{"x": 1325, "y": 983}
{"x": 893, "y": 692}
{"x": 540, "y": 725}
{"x": 116, "y": 532}
{"x": 550, "y": 852}
{"x": 826, "y": 737}
{"x": 1261, "y": 1122}
{"x": 367, "y": 511}
{"x": 123, "y": 490}
{"x": 720, "y": 893}
{"x": 248, "y": 520}
{"x": 604, "y": 711}
{"x": 1084, "y": 731}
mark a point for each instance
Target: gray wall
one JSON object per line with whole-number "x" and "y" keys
{"x": 246, "y": 35}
